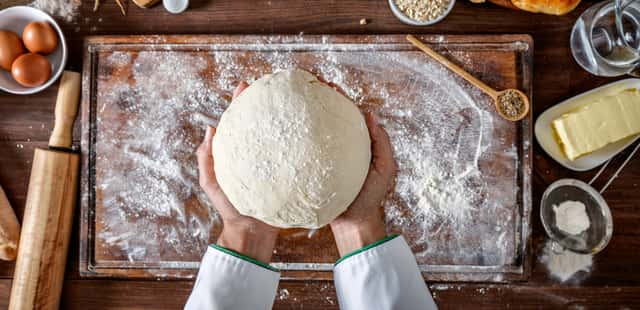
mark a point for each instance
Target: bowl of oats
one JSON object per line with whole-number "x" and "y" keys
{"x": 421, "y": 12}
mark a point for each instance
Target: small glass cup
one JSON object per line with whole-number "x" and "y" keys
{"x": 605, "y": 39}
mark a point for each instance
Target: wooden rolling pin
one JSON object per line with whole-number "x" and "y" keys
{"x": 9, "y": 229}
{"x": 48, "y": 214}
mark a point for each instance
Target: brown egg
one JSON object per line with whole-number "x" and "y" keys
{"x": 31, "y": 70}
{"x": 39, "y": 37}
{"x": 10, "y": 48}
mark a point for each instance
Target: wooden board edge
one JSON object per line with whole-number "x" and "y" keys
{"x": 527, "y": 74}
{"x": 85, "y": 239}
{"x": 202, "y": 39}
{"x": 87, "y": 266}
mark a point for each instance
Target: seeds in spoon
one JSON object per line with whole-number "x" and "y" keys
{"x": 511, "y": 103}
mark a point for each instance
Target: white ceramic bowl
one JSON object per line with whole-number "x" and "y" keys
{"x": 15, "y": 19}
{"x": 407, "y": 20}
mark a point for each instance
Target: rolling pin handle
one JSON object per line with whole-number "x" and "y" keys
{"x": 66, "y": 110}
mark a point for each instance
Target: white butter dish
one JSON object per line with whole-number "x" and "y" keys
{"x": 545, "y": 136}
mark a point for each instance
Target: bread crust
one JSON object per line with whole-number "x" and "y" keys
{"x": 505, "y": 3}
{"x": 9, "y": 230}
{"x": 145, "y": 3}
{"x": 552, "y": 7}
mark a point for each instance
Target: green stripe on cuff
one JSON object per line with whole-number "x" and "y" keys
{"x": 367, "y": 247}
{"x": 246, "y": 258}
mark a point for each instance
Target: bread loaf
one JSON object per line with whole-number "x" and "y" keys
{"x": 552, "y": 7}
{"x": 9, "y": 229}
{"x": 145, "y": 3}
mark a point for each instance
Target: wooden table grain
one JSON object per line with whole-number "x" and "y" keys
{"x": 614, "y": 282}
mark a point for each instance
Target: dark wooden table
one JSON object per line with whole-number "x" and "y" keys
{"x": 614, "y": 282}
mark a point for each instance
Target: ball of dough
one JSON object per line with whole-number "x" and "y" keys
{"x": 291, "y": 151}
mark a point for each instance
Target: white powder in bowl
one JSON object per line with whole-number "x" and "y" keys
{"x": 571, "y": 217}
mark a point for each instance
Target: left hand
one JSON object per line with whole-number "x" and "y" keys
{"x": 243, "y": 234}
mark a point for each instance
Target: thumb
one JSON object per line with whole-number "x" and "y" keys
{"x": 381, "y": 149}
{"x": 241, "y": 87}
{"x": 205, "y": 159}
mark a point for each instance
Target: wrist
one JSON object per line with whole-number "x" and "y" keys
{"x": 250, "y": 241}
{"x": 354, "y": 236}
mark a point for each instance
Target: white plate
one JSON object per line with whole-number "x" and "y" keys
{"x": 15, "y": 19}
{"x": 544, "y": 133}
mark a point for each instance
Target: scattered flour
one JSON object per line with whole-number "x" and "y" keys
{"x": 444, "y": 135}
{"x": 456, "y": 198}
{"x": 283, "y": 294}
{"x": 65, "y": 9}
{"x": 571, "y": 217}
{"x": 155, "y": 123}
{"x": 563, "y": 264}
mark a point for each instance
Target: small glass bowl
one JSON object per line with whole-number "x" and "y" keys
{"x": 590, "y": 241}
{"x": 405, "y": 19}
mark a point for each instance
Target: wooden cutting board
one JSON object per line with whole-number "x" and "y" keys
{"x": 463, "y": 193}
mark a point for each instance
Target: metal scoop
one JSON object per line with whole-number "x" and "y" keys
{"x": 597, "y": 236}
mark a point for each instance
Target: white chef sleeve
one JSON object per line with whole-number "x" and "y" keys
{"x": 382, "y": 275}
{"x": 230, "y": 280}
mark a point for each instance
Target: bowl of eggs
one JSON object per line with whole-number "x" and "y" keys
{"x": 33, "y": 52}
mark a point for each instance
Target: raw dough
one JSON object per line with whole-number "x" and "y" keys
{"x": 571, "y": 217}
{"x": 291, "y": 151}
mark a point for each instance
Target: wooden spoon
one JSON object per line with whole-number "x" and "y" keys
{"x": 505, "y": 95}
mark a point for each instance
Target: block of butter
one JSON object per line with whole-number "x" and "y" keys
{"x": 598, "y": 123}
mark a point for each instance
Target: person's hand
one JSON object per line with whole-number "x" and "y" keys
{"x": 363, "y": 222}
{"x": 240, "y": 233}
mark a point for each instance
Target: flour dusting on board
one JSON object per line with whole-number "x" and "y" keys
{"x": 150, "y": 182}
{"x": 456, "y": 198}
